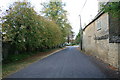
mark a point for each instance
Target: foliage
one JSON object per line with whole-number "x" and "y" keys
{"x": 113, "y": 8}
{"x": 77, "y": 40}
{"x": 55, "y": 12}
{"x": 29, "y": 31}
{"x": 17, "y": 57}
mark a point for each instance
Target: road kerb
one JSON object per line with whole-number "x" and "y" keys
{"x": 53, "y": 53}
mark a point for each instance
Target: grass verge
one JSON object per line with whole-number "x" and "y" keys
{"x": 10, "y": 68}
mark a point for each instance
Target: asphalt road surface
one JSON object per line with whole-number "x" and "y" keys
{"x": 68, "y": 63}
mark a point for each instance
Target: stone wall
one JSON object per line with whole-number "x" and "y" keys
{"x": 114, "y": 41}
{"x": 114, "y": 30}
{"x": 96, "y": 40}
{"x": 113, "y": 54}
{"x": 119, "y": 56}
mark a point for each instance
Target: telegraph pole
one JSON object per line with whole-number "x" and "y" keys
{"x": 80, "y": 33}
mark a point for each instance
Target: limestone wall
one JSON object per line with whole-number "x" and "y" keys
{"x": 96, "y": 41}
{"x": 113, "y": 54}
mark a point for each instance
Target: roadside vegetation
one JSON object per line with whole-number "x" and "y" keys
{"x": 77, "y": 39}
{"x": 26, "y": 33}
{"x": 24, "y": 61}
{"x": 113, "y": 8}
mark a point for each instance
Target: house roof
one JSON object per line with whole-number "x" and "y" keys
{"x": 96, "y": 17}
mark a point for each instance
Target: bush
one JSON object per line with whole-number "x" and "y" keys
{"x": 29, "y": 31}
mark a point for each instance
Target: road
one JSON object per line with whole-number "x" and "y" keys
{"x": 68, "y": 63}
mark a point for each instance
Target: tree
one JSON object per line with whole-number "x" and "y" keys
{"x": 113, "y": 8}
{"x": 18, "y": 23}
{"x": 77, "y": 39}
{"x": 69, "y": 33}
{"x": 54, "y": 11}
{"x": 29, "y": 31}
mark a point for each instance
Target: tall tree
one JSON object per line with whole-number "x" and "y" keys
{"x": 18, "y": 24}
{"x": 55, "y": 11}
{"x": 28, "y": 30}
{"x": 113, "y": 8}
{"x": 69, "y": 33}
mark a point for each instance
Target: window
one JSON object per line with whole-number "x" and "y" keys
{"x": 98, "y": 25}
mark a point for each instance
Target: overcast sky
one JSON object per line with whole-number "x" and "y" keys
{"x": 74, "y": 8}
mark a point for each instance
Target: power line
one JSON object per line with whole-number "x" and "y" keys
{"x": 81, "y": 32}
{"x": 83, "y": 5}
{"x": 80, "y": 13}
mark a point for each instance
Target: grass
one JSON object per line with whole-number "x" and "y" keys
{"x": 20, "y": 63}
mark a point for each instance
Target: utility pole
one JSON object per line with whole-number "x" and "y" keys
{"x": 80, "y": 33}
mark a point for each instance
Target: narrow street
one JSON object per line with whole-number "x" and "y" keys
{"x": 68, "y": 63}
{"x": 39, "y": 39}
